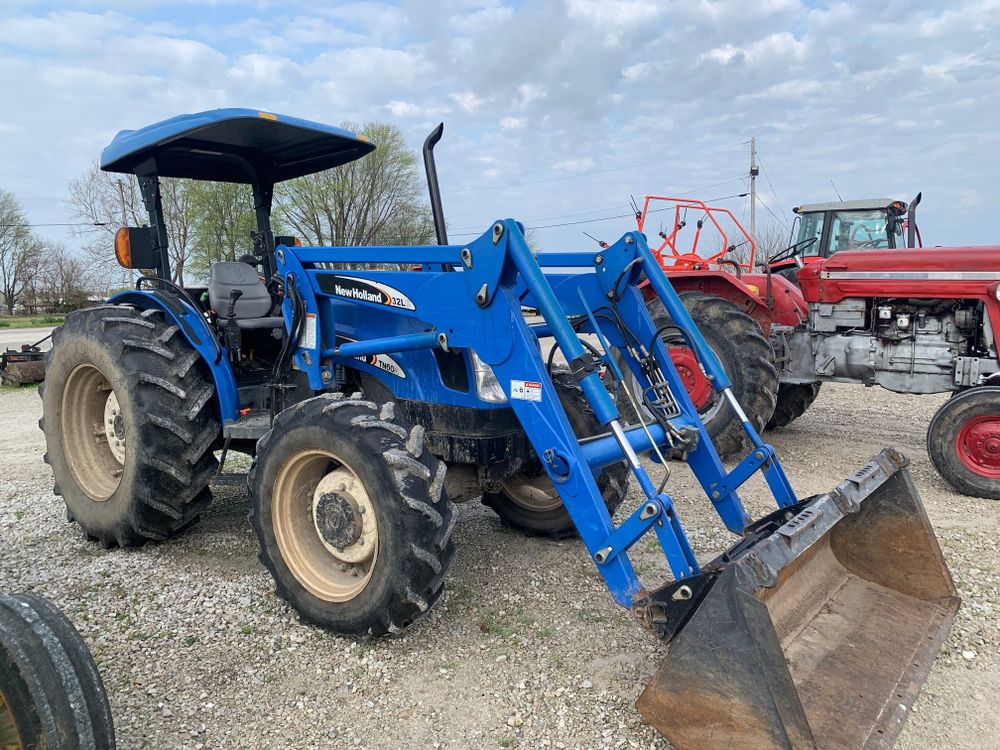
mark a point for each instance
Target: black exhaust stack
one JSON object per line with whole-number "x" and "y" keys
{"x": 432, "y": 184}
{"x": 911, "y": 222}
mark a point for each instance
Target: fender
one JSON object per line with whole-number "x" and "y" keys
{"x": 195, "y": 329}
{"x": 789, "y": 309}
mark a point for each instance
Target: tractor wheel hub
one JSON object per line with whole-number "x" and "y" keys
{"x": 687, "y": 366}
{"x": 344, "y": 517}
{"x": 337, "y": 519}
{"x": 979, "y": 445}
{"x": 114, "y": 427}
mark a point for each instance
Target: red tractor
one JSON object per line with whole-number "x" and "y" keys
{"x": 912, "y": 320}
{"x": 873, "y": 309}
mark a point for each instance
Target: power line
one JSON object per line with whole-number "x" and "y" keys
{"x": 761, "y": 202}
{"x": 624, "y": 216}
{"x": 774, "y": 190}
{"x": 69, "y": 224}
{"x": 589, "y": 212}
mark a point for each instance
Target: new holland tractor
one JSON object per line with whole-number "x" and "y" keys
{"x": 372, "y": 399}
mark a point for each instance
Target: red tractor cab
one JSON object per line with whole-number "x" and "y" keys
{"x": 827, "y": 228}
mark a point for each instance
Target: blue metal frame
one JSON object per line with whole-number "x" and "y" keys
{"x": 479, "y": 306}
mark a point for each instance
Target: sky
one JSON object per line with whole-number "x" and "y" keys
{"x": 555, "y": 111}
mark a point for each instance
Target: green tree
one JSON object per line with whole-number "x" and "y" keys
{"x": 377, "y": 200}
{"x": 222, "y": 220}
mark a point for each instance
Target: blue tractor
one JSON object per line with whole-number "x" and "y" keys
{"x": 373, "y": 399}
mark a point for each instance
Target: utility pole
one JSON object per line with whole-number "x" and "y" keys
{"x": 121, "y": 195}
{"x": 754, "y": 171}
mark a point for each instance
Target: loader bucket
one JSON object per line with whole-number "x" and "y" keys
{"x": 816, "y": 631}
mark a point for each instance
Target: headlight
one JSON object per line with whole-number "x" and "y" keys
{"x": 487, "y": 386}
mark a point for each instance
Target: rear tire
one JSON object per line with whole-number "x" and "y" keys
{"x": 745, "y": 355}
{"x": 963, "y": 441}
{"x": 794, "y": 399}
{"x": 51, "y": 694}
{"x": 129, "y": 422}
{"x": 350, "y": 513}
{"x": 528, "y": 501}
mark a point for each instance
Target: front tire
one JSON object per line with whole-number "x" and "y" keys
{"x": 51, "y": 694}
{"x": 351, "y": 516}
{"x": 794, "y": 399}
{"x": 129, "y": 422}
{"x": 529, "y": 502}
{"x": 963, "y": 441}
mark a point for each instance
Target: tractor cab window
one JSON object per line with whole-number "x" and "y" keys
{"x": 810, "y": 228}
{"x": 858, "y": 230}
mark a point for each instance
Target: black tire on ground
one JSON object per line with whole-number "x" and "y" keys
{"x": 545, "y": 517}
{"x": 332, "y": 462}
{"x": 51, "y": 694}
{"x": 963, "y": 441}
{"x": 794, "y": 399}
{"x": 747, "y": 358}
{"x": 117, "y": 373}
{"x": 791, "y": 273}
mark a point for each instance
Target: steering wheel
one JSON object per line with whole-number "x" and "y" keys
{"x": 871, "y": 243}
{"x": 794, "y": 250}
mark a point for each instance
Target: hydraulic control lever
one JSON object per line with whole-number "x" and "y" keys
{"x": 234, "y": 339}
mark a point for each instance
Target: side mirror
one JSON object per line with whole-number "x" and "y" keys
{"x": 134, "y": 248}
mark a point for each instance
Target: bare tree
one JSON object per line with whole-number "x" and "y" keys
{"x": 60, "y": 282}
{"x": 371, "y": 201}
{"x": 18, "y": 251}
{"x": 771, "y": 238}
{"x": 177, "y": 213}
{"x": 111, "y": 201}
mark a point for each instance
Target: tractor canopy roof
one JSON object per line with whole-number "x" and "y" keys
{"x": 865, "y": 204}
{"x": 233, "y": 145}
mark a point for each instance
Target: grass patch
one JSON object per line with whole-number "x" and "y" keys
{"x": 38, "y": 321}
{"x": 492, "y": 624}
{"x": 18, "y": 388}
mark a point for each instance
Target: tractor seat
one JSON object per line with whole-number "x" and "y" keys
{"x": 254, "y": 304}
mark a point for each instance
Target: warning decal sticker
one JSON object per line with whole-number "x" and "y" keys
{"x": 526, "y": 390}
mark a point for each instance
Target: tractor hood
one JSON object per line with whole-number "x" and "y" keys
{"x": 952, "y": 272}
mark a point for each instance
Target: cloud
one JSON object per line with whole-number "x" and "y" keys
{"x": 574, "y": 165}
{"x": 551, "y": 105}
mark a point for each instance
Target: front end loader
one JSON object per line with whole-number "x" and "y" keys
{"x": 815, "y": 629}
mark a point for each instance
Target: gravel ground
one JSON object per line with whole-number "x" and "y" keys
{"x": 525, "y": 650}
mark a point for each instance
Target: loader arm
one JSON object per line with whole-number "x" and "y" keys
{"x": 484, "y": 314}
